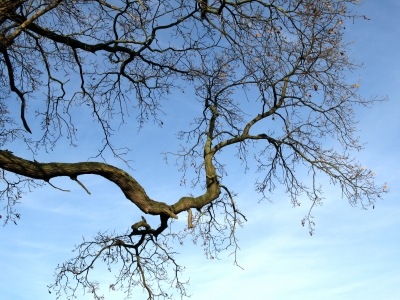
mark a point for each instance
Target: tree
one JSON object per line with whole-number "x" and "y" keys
{"x": 291, "y": 54}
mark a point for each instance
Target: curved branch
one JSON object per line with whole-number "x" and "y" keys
{"x": 73, "y": 43}
{"x": 132, "y": 190}
{"x": 14, "y": 88}
{"x": 29, "y": 21}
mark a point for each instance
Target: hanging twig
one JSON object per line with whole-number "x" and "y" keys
{"x": 81, "y": 184}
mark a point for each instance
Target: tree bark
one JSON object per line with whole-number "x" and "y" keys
{"x": 8, "y": 8}
{"x": 45, "y": 171}
{"x": 132, "y": 190}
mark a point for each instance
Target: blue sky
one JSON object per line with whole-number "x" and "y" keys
{"x": 355, "y": 254}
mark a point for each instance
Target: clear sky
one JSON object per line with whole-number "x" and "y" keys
{"x": 354, "y": 254}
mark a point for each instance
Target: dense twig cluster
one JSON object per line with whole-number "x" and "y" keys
{"x": 144, "y": 261}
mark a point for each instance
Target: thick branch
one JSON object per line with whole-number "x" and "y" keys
{"x": 74, "y": 43}
{"x": 33, "y": 18}
{"x": 45, "y": 171}
{"x": 148, "y": 230}
{"x": 8, "y": 7}
{"x": 213, "y": 189}
{"x": 132, "y": 190}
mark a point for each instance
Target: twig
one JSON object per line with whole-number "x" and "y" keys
{"x": 233, "y": 203}
{"x": 190, "y": 218}
{"x": 81, "y": 184}
{"x": 57, "y": 187}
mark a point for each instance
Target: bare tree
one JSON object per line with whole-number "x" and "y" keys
{"x": 290, "y": 53}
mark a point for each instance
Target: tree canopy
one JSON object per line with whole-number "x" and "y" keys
{"x": 269, "y": 75}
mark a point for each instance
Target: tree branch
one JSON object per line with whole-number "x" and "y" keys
{"x": 14, "y": 88}
{"x": 132, "y": 190}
